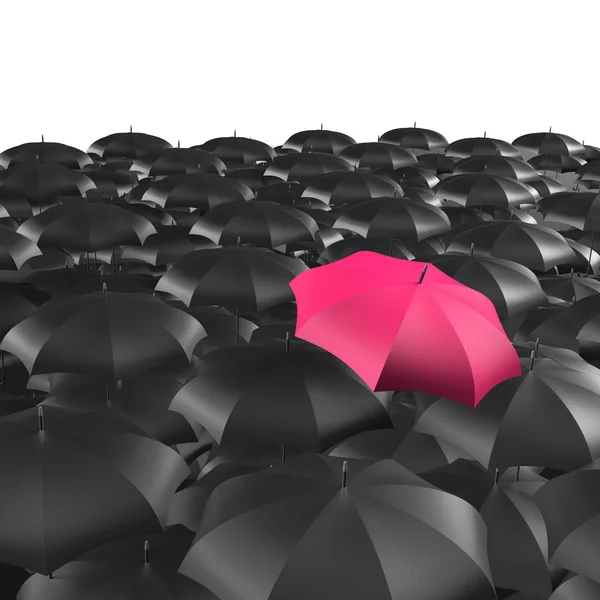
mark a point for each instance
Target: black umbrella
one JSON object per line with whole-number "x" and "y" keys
{"x": 500, "y": 166}
{"x": 438, "y": 164}
{"x": 238, "y": 150}
{"x": 411, "y": 175}
{"x": 533, "y": 246}
{"x": 176, "y": 161}
{"x": 107, "y": 334}
{"x": 110, "y": 184}
{"x": 291, "y": 394}
{"x": 545, "y": 186}
{"x": 569, "y": 286}
{"x": 128, "y": 145}
{"x": 481, "y": 146}
{"x": 482, "y": 189}
{"x": 561, "y": 163}
{"x": 549, "y": 143}
{"x": 350, "y": 188}
{"x": 576, "y": 587}
{"x": 72, "y": 482}
{"x": 394, "y": 217}
{"x": 15, "y": 249}
{"x": 45, "y": 153}
{"x": 415, "y": 138}
{"x": 250, "y": 279}
{"x": 263, "y": 223}
{"x": 377, "y": 155}
{"x": 511, "y": 287}
{"x": 351, "y": 245}
{"x": 318, "y": 140}
{"x": 302, "y": 167}
{"x": 343, "y": 522}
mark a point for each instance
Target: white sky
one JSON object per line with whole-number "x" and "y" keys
{"x": 76, "y": 71}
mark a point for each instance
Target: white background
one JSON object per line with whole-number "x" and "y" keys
{"x": 76, "y": 71}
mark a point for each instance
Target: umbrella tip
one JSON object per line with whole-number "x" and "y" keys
{"x": 484, "y": 133}
{"x": 178, "y": 143}
{"x": 146, "y": 552}
{"x": 415, "y": 124}
{"x": 41, "y": 418}
{"x": 423, "y": 273}
{"x": 130, "y": 129}
{"x": 531, "y": 360}
{"x": 235, "y": 133}
{"x": 42, "y": 137}
{"x": 497, "y": 476}
{"x": 321, "y": 126}
{"x": 344, "y": 473}
{"x": 287, "y": 341}
{"x": 239, "y": 242}
{"x": 550, "y": 130}
{"x": 104, "y": 291}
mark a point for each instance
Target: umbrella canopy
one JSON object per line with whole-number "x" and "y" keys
{"x": 561, "y": 163}
{"x": 350, "y": 188}
{"x": 415, "y": 138}
{"x": 238, "y": 150}
{"x": 251, "y": 279}
{"x": 292, "y": 394}
{"x": 576, "y": 587}
{"x": 510, "y": 286}
{"x": 403, "y": 329}
{"x": 481, "y": 146}
{"x": 17, "y": 302}
{"x": 110, "y": 184}
{"x": 545, "y": 186}
{"x": 45, "y": 153}
{"x": 483, "y": 189}
{"x": 377, "y": 155}
{"x": 75, "y": 481}
{"x": 546, "y": 417}
{"x": 580, "y": 210}
{"x": 167, "y": 246}
{"x": 143, "y": 567}
{"x": 569, "y": 286}
{"x": 569, "y": 504}
{"x": 128, "y": 145}
{"x": 590, "y": 171}
{"x": 536, "y": 247}
{"x": 15, "y": 249}
{"x": 107, "y": 334}
{"x": 304, "y": 166}
{"x": 549, "y": 143}
{"x": 42, "y": 183}
{"x": 358, "y": 516}
{"x": 394, "y": 217}
{"x": 202, "y": 191}
{"x": 318, "y": 140}
{"x": 351, "y": 245}
{"x": 438, "y": 164}
{"x": 177, "y": 161}
{"x": 411, "y": 175}
{"x": 263, "y": 223}
{"x": 500, "y": 166}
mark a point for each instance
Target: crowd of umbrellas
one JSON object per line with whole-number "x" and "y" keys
{"x": 326, "y": 370}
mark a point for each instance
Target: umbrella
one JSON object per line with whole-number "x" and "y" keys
{"x": 438, "y": 164}
{"x": 128, "y": 145}
{"x": 15, "y": 249}
{"x": 302, "y": 167}
{"x": 562, "y": 163}
{"x": 546, "y": 417}
{"x": 510, "y": 286}
{"x": 576, "y": 587}
{"x": 377, "y": 155}
{"x": 107, "y": 334}
{"x": 394, "y": 217}
{"x": 291, "y": 394}
{"x": 410, "y": 175}
{"x": 569, "y": 286}
{"x": 344, "y": 522}
{"x": 569, "y": 505}
{"x": 110, "y": 184}
{"x": 536, "y": 247}
{"x": 545, "y": 186}
{"x": 401, "y": 328}
{"x": 481, "y": 146}
{"x": 319, "y": 140}
{"x": 86, "y": 227}
{"x": 549, "y": 143}
{"x": 415, "y": 138}
{"x": 350, "y": 188}
{"x": 250, "y": 279}
{"x": 497, "y": 165}
{"x": 143, "y": 567}
{"x": 177, "y": 161}
{"x": 202, "y": 191}
{"x": 483, "y": 189}
{"x": 238, "y": 150}
{"x": 74, "y": 481}
{"x": 349, "y": 246}
{"x": 45, "y": 153}
{"x": 263, "y": 223}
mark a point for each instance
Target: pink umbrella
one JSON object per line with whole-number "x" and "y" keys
{"x": 405, "y": 325}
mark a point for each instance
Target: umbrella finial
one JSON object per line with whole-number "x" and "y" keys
{"x": 485, "y": 169}
{"x": 572, "y": 273}
{"x": 414, "y": 125}
{"x": 517, "y": 473}
{"x": 423, "y": 273}
{"x": 550, "y": 130}
{"x": 573, "y": 299}
{"x": 42, "y": 137}
{"x": 378, "y": 138}
{"x": 146, "y": 552}
{"x": 283, "y": 453}
{"x": 287, "y": 341}
{"x": 178, "y": 144}
{"x": 130, "y": 129}
{"x": 235, "y": 133}
{"x": 531, "y": 360}
{"x": 537, "y": 345}
{"x": 484, "y": 133}
{"x": 321, "y": 126}
{"x": 497, "y": 476}
{"x": 104, "y": 291}
{"x": 344, "y": 473}
{"x": 239, "y": 242}
{"x": 472, "y": 249}
{"x": 40, "y": 418}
